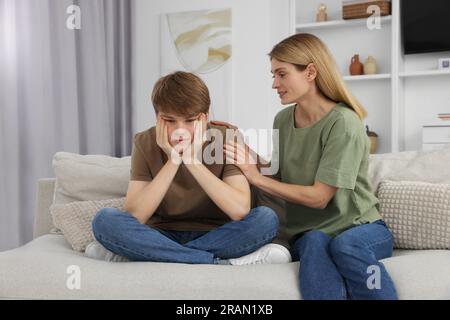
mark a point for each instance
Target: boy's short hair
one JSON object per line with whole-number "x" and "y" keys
{"x": 181, "y": 93}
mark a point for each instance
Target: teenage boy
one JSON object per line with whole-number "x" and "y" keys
{"x": 179, "y": 206}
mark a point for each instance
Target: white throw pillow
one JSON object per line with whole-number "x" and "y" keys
{"x": 89, "y": 177}
{"x": 429, "y": 166}
{"x": 417, "y": 213}
{"x": 75, "y": 219}
{"x": 385, "y": 164}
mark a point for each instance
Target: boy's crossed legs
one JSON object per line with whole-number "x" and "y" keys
{"x": 236, "y": 242}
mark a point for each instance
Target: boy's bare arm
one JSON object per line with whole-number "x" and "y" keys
{"x": 143, "y": 198}
{"x": 231, "y": 195}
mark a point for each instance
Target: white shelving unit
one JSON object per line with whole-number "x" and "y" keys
{"x": 424, "y": 73}
{"x": 337, "y": 23}
{"x": 408, "y": 90}
{"x": 368, "y": 77}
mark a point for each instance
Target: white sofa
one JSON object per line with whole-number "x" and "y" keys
{"x": 41, "y": 269}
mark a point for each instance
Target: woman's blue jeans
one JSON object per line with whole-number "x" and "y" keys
{"x": 347, "y": 266}
{"x": 124, "y": 235}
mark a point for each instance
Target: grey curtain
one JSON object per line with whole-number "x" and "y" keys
{"x": 60, "y": 90}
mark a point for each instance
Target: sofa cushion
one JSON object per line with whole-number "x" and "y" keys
{"x": 417, "y": 213}
{"x": 75, "y": 219}
{"x": 431, "y": 166}
{"x": 39, "y": 270}
{"x": 384, "y": 165}
{"x": 426, "y": 166}
{"x": 89, "y": 177}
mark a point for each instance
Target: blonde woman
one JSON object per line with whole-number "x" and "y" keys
{"x": 332, "y": 215}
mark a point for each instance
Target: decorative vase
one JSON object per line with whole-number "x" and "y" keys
{"x": 356, "y": 67}
{"x": 373, "y": 137}
{"x": 322, "y": 13}
{"x": 370, "y": 66}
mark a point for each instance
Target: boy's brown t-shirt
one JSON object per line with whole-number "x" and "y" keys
{"x": 186, "y": 206}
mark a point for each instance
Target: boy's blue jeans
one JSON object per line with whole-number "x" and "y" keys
{"x": 124, "y": 235}
{"x": 347, "y": 266}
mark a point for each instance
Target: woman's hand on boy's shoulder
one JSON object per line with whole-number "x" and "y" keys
{"x": 224, "y": 124}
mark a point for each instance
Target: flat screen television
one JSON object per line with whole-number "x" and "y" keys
{"x": 425, "y": 26}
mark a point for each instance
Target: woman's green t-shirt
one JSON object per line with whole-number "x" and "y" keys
{"x": 334, "y": 151}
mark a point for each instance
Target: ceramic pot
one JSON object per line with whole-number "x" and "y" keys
{"x": 370, "y": 66}
{"x": 356, "y": 67}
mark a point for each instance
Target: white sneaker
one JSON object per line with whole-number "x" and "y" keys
{"x": 269, "y": 254}
{"x": 95, "y": 250}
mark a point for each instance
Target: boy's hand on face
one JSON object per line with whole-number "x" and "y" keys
{"x": 193, "y": 153}
{"x": 162, "y": 140}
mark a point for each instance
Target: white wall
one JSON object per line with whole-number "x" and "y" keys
{"x": 257, "y": 26}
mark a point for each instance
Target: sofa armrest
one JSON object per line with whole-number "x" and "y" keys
{"x": 43, "y": 221}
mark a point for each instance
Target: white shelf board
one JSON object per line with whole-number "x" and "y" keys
{"x": 368, "y": 77}
{"x": 424, "y": 73}
{"x": 437, "y": 123}
{"x": 338, "y": 23}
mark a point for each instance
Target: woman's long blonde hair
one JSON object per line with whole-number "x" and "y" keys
{"x": 302, "y": 49}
